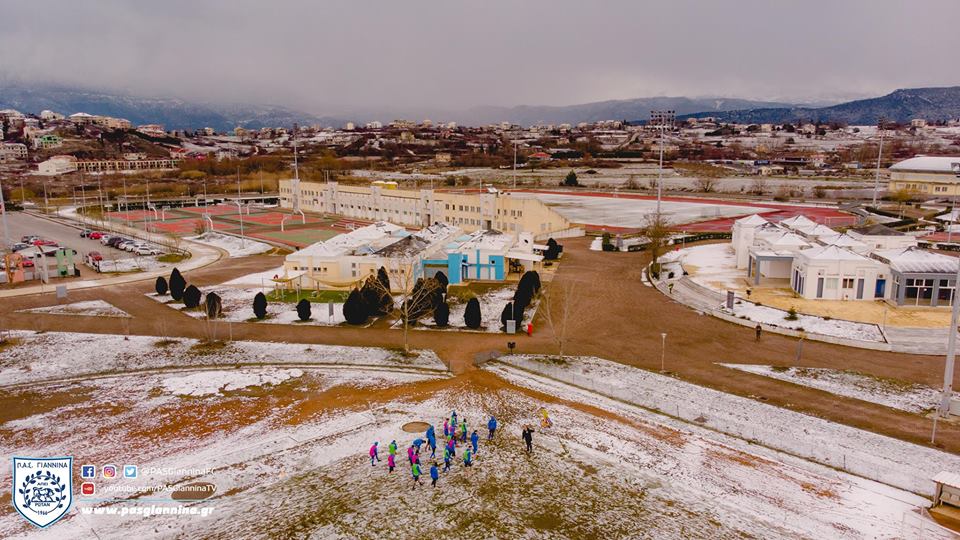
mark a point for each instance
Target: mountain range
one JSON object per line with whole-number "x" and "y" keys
{"x": 898, "y": 106}
{"x": 172, "y": 113}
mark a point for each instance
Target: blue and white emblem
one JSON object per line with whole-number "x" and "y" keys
{"x": 42, "y": 488}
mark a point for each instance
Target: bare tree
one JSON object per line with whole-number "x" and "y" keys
{"x": 706, "y": 184}
{"x": 418, "y": 296}
{"x": 559, "y": 306}
{"x": 656, "y": 229}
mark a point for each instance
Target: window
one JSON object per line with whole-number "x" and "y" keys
{"x": 847, "y": 283}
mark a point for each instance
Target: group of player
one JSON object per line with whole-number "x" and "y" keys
{"x": 455, "y": 433}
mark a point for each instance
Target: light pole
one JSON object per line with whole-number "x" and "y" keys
{"x": 23, "y": 194}
{"x": 663, "y": 351}
{"x": 515, "y": 164}
{"x": 3, "y": 212}
{"x": 876, "y": 179}
{"x": 239, "y": 209}
{"x": 46, "y": 201}
{"x": 661, "y": 120}
{"x": 951, "y": 338}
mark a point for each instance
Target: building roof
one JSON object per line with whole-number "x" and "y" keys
{"x": 929, "y": 164}
{"x": 843, "y": 240}
{"x": 818, "y": 230}
{"x": 788, "y": 239}
{"x": 832, "y": 253}
{"x": 876, "y": 230}
{"x": 913, "y": 260}
{"x": 490, "y": 240}
{"x": 948, "y": 478}
{"x": 377, "y": 234}
{"x": 753, "y": 219}
{"x": 798, "y": 222}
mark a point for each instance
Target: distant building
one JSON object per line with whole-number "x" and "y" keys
{"x": 929, "y": 175}
{"x": 58, "y": 165}
{"x": 349, "y": 126}
{"x": 49, "y": 116}
{"x": 918, "y": 123}
{"x": 152, "y": 130}
{"x": 111, "y": 165}
{"x": 46, "y": 142}
{"x": 13, "y": 151}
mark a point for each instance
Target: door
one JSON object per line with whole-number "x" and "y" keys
{"x": 819, "y": 287}
{"x": 880, "y": 288}
{"x": 860, "y": 289}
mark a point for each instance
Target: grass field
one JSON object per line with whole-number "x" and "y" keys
{"x": 297, "y": 237}
{"x": 313, "y": 296}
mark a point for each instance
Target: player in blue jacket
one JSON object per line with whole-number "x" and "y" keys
{"x": 492, "y": 426}
{"x": 434, "y": 475}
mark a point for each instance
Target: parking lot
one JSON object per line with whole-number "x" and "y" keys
{"x": 21, "y": 224}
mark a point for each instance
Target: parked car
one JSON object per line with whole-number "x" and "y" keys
{"x": 105, "y": 239}
{"x": 126, "y": 245}
{"x": 96, "y": 235}
{"x": 43, "y": 242}
{"x": 115, "y": 241}
{"x": 131, "y": 246}
{"x": 147, "y": 250}
{"x": 85, "y": 233}
{"x": 28, "y": 239}
{"x": 19, "y": 246}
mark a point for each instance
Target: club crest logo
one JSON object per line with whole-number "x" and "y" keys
{"x": 42, "y": 488}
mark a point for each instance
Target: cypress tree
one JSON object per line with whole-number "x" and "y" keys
{"x": 506, "y": 315}
{"x": 214, "y": 305}
{"x": 260, "y": 305}
{"x": 161, "y": 286}
{"x": 472, "y": 316}
{"x": 355, "y": 309}
{"x": 303, "y": 309}
{"x": 441, "y": 315}
{"x": 191, "y": 297}
{"x": 177, "y": 285}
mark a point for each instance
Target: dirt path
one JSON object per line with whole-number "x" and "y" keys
{"x": 617, "y": 318}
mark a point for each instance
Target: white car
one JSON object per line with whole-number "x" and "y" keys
{"x": 131, "y": 246}
{"x": 104, "y": 239}
{"x": 147, "y": 250}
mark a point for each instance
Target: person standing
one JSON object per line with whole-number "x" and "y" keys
{"x": 374, "y": 453}
{"x": 446, "y": 460}
{"x": 453, "y": 420}
{"x": 467, "y": 457}
{"x": 528, "y": 438}
{"x": 434, "y": 475}
{"x": 759, "y": 330}
{"x": 392, "y": 449}
{"x": 391, "y": 463}
{"x": 415, "y": 471}
{"x": 446, "y": 428}
{"x": 410, "y": 454}
{"x": 463, "y": 431}
{"x": 492, "y": 426}
{"x": 474, "y": 439}
{"x": 452, "y": 447}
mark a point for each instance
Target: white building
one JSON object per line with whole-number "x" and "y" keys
{"x": 48, "y": 116}
{"x": 58, "y": 165}
{"x": 13, "y": 151}
{"x": 836, "y": 273}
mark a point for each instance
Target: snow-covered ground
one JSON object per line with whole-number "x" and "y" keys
{"x": 298, "y": 468}
{"x": 91, "y": 308}
{"x": 915, "y": 398}
{"x": 884, "y": 459}
{"x": 806, "y": 323}
{"x": 257, "y": 279}
{"x": 624, "y": 212}
{"x": 64, "y": 355}
{"x": 237, "y": 306}
{"x": 236, "y": 247}
{"x": 136, "y": 263}
{"x": 712, "y": 265}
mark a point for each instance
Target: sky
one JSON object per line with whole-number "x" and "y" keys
{"x": 330, "y": 57}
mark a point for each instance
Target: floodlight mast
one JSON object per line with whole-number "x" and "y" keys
{"x": 661, "y": 120}
{"x": 948, "y": 367}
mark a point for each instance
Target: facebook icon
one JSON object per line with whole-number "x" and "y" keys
{"x": 88, "y": 471}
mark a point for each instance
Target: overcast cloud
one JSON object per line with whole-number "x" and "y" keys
{"x": 332, "y": 57}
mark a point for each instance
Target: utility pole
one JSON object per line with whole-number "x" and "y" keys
{"x": 876, "y": 180}
{"x": 46, "y": 201}
{"x": 3, "y": 212}
{"x": 951, "y": 337}
{"x": 23, "y": 193}
{"x": 662, "y": 120}
{"x": 239, "y": 209}
{"x": 514, "y": 164}
{"x": 126, "y": 202}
